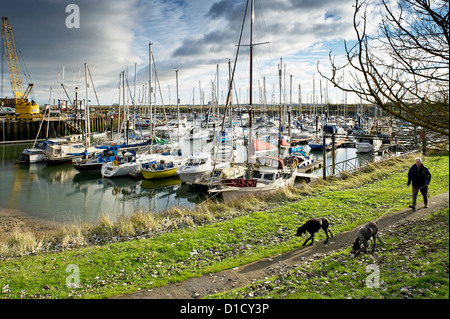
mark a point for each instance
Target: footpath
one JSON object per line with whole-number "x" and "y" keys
{"x": 225, "y": 280}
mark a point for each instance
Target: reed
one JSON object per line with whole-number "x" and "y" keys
{"x": 21, "y": 243}
{"x": 143, "y": 221}
{"x": 72, "y": 236}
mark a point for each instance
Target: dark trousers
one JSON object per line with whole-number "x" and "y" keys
{"x": 415, "y": 192}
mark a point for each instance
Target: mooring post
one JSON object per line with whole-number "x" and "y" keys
{"x": 324, "y": 148}
{"x": 333, "y": 150}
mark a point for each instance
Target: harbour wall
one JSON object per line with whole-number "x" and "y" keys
{"x": 12, "y": 131}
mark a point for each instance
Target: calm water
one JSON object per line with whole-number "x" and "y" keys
{"x": 61, "y": 194}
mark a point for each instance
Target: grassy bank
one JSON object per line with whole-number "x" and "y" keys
{"x": 412, "y": 263}
{"x": 178, "y": 247}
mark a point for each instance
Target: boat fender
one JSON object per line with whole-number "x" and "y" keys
{"x": 114, "y": 191}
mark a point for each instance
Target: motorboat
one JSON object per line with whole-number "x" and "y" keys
{"x": 127, "y": 163}
{"x": 36, "y": 153}
{"x": 317, "y": 143}
{"x": 365, "y": 145}
{"x": 197, "y": 165}
{"x": 64, "y": 152}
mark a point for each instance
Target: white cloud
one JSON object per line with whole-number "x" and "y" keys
{"x": 191, "y": 36}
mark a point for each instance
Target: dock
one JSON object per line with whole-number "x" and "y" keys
{"x": 344, "y": 143}
{"x": 309, "y": 168}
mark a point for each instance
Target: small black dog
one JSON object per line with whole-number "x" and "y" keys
{"x": 367, "y": 231}
{"x": 314, "y": 225}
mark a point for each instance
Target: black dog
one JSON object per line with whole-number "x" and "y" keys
{"x": 367, "y": 231}
{"x": 313, "y": 226}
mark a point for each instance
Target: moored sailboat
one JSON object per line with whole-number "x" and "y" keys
{"x": 164, "y": 167}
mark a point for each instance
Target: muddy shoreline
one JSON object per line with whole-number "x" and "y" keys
{"x": 12, "y": 220}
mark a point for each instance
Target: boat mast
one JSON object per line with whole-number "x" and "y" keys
{"x": 86, "y": 111}
{"x": 178, "y": 107}
{"x": 250, "y": 108}
{"x": 150, "y": 91}
{"x": 280, "y": 73}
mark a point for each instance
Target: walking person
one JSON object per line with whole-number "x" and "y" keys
{"x": 420, "y": 177}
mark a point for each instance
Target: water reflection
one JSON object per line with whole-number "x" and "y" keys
{"x": 59, "y": 193}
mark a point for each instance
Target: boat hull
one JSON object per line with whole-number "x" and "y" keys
{"x": 158, "y": 174}
{"x": 30, "y": 157}
{"x": 189, "y": 178}
{"x": 87, "y": 168}
{"x": 233, "y": 192}
{"x": 111, "y": 170}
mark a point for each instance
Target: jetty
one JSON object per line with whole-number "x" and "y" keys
{"x": 311, "y": 167}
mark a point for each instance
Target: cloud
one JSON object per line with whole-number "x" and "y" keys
{"x": 104, "y": 39}
{"x": 192, "y": 36}
{"x": 291, "y": 26}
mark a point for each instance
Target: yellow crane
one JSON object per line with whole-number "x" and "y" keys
{"x": 24, "y": 108}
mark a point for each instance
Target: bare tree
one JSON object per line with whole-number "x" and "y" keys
{"x": 404, "y": 68}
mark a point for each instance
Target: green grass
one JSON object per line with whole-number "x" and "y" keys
{"x": 412, "y": 263}
{"x": 173, "y": 256}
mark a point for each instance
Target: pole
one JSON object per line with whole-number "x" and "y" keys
{"x": 333, "y": 158}
{"x": 324, "y": 158}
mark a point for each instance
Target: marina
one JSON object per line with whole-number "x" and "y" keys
{"x": 63, "y": 194}
{"x": 138, "y": 155}
{"x": 186, "y": 149}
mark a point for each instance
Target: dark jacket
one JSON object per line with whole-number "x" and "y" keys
{"x": 419, "y": 177}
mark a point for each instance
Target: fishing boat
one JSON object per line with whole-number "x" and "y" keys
{"x": 268, "y": 176}
{"x": 35, "y": 154}
{"x": 164, "y": 167}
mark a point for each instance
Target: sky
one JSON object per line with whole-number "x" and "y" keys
{"x": 196, "y": 37}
